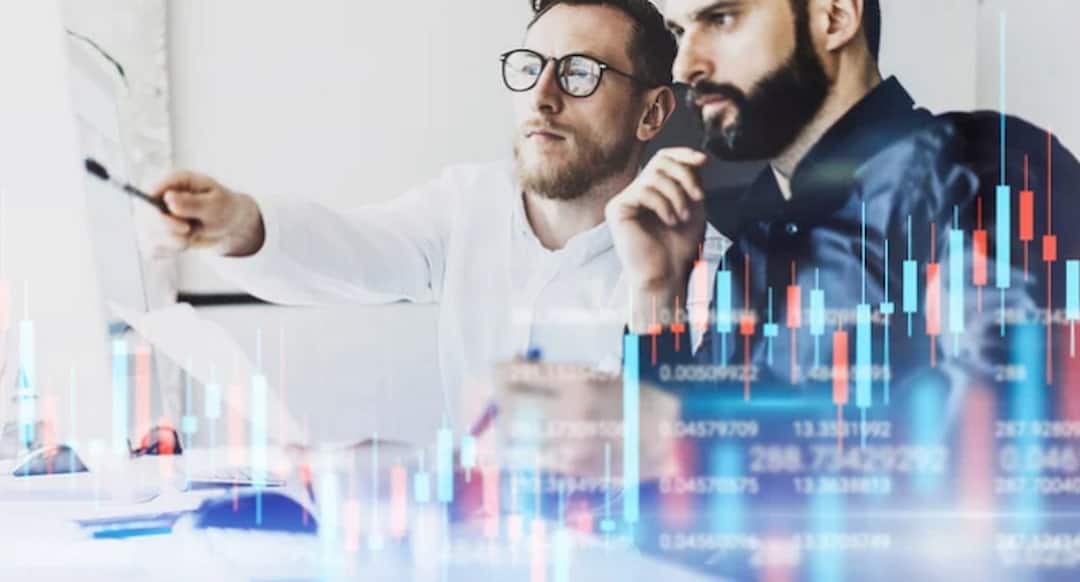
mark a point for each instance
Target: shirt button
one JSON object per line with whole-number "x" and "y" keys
{"x": 791, "y": 228}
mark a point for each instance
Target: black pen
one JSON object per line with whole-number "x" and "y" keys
{"x": 94, "y": 167}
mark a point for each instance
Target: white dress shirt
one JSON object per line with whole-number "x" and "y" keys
{"x": 463, "y": 241}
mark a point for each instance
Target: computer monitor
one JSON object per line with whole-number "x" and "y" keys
{"x": 58, "y": 335}
{"x": 97, "y": 87}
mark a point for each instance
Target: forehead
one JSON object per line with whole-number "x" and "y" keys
{"x": 599, "y": 31}
{"x": 683, "y": 12}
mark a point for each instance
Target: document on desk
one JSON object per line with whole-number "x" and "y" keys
{"x": 207, "y": 352}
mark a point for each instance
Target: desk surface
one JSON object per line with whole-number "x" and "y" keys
{"x": 54, "y": 549}
{"x": 826, "y": 541}
{"x": 38, "y": 534}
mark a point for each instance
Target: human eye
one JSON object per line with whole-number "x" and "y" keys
{"x": 720, "y": 17}
{"x": 528, "y": 67}
{"x": 581, "y": 68}
{"x": 580, "y": 72}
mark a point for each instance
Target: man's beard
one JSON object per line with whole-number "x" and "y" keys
{"x": 777, "y": 108}
{"x": 573, "y": 178}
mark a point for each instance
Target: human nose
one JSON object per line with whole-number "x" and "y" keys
{"x": 694, "y": 60}
{"x": 547, "y": 96}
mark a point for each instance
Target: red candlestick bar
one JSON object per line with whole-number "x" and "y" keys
{"x": 841, "y": 375}
{"x": 142, "y": 389}
{"x": 746, "y": 326}
{"x": 1050, "y": 254}
{"x": 678, "y": 327}
{"x": 933, "y": 298}
{"x": 794, "y": 320}
{"x": 979, "y": 249}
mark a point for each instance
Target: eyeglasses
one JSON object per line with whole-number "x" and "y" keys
{"x": 578, "y": 75}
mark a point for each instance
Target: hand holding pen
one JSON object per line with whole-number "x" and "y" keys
{"x": 198, "y": 212}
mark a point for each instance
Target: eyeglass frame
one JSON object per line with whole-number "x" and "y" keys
{"x": 604, "y": 67}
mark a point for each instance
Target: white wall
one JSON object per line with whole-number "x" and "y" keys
{"x": 947, "y": 52}
{"x": 345, "y": 102}
{"x": 930, "y": 45}
{"x": 44, "y": 237}
{"x": 135, "y": 35}
{"x": 1042, "y": 48}
{"x": 337, "y": 100}
{"x": 351, "y": 102}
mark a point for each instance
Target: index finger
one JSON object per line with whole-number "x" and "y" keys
{"x": 684, "y": 155}
{"x": 183, "y": 181}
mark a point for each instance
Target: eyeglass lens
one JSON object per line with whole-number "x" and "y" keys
{"x": 578, "y": 75}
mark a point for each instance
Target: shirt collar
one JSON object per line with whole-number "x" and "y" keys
{"x": 583, "y": 246}
{"x": 783, "y": 183}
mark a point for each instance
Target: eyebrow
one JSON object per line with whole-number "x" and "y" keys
{"x": 700, "y": 13}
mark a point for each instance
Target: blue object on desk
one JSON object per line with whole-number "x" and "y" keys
{"x": 131, "y": 526}
{"x": 51, "y": 460}
{"x": 256, "y": 510}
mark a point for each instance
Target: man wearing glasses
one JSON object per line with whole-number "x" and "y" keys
{"x": 517, "y": 255}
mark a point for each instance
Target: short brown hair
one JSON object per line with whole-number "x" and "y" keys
{"x": 652, "y": 48}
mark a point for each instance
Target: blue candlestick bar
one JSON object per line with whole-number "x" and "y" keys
{"x": 444, "y": 465}
{"x": 120, "y": 396}
{"x": 422, "y": 483}
{"x": 817, "y": 321}
{"x": 863, "y": 357}
{"x": 1003, "y": 226}
{"x": 26, "y": 385}
{"x": 1072, "y": 290}
{"x": 724, "y": 317}
{"x": 770, "y": 330}
{"x": 631, "y": 428}
{"x": 468, "y": 454}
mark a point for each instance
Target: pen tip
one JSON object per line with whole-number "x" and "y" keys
{"x": 96, "y": 169}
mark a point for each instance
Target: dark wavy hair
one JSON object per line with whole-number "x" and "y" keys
{"x": 652, "y": 48}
